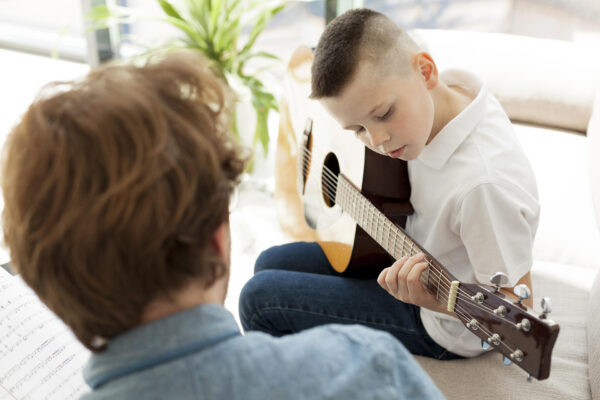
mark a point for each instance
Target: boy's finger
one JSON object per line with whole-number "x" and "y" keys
{"x": 413, "y": 282}
{"x": 410, "y": 263}
{"x": 381, "y": 278}
{"x": 391, "y": 279}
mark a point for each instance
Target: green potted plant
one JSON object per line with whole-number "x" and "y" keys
{"x": 215, "y": 28}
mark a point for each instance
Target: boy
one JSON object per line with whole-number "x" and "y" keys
{"x": 116, "y": 192}
{"x": 473, "y": 192}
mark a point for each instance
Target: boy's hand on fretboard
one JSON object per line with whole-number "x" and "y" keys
{"x": 401, "y": 280}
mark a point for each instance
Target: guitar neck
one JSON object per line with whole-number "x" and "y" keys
{"x": 390, "y": 236}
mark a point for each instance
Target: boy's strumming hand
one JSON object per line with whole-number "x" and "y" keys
{"x": 401, "y": 280}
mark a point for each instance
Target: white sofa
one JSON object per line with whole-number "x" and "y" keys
{"x": 547, "y": 88}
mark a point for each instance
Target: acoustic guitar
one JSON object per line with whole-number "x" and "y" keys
{"x": 343, "y": 198}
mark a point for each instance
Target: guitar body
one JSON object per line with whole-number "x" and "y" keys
{"x": 302, "y": 204}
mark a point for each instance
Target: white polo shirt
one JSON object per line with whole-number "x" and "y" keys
{"x": 476, "y": 204}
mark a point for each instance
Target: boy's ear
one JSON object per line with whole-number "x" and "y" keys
{"x": 425, "y": 65}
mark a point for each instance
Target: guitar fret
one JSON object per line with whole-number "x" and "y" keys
{"x": 428, "y": 276}
{"x": 377, "y": 228}
{"x": 351, "y": 207}
{"x": 403, "y": 245}
{"x": 383, "y": 226}
{"x": 383, "y": 231}
{"x": 347, "y": 194}
{"x": 362, "y": 211}
{"x": 387, "y": 242}
{"x": 395, "y": 240}
{"x": 393, "y": 232}
{"x": 373, "y": 224}
{"x": 437, "y": 296}
{"x": 370, "y": 226}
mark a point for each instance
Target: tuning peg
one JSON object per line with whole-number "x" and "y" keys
{"x": 485, "y": 345}
{"x": 546, "y": 307}
{"x": 499, "y": 279}
{"x": 517, "y": 355}
{"x": 506, "y": 360}
{"x": 523, "y": 292}
{"x": 524, "y": 325}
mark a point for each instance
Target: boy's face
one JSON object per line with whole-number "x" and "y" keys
{"x": 392, "y": 114}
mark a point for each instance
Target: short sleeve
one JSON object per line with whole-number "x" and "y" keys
{"x": 497, "y": 224}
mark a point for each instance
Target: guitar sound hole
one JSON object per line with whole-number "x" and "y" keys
{"x": 329, "y": 176}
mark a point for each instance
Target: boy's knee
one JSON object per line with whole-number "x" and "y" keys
{"x": 262, "y": 261}
{"x": 287, "y": 256}
{"x": 252, "y": 296}
{"x": 269, "y": 259}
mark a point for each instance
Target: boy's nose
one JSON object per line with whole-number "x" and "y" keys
{"x": 378, "y": 137}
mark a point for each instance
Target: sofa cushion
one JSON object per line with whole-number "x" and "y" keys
{"x": 594, "y": 155}
{"x": 593, "y": 331}
{"x": 567, "y": 233}
{"x": 594, "y": 308}
{"x": 487, "y": 377}
{"x": 540, "y": 81}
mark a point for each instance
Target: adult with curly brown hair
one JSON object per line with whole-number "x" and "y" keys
{"x": 116, "y": 213}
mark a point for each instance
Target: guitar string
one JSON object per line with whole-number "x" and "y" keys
{"x": 465, "y": 296}
{"x": 331, "y": 178}
{"x": 459, "y": 310}
{"x": 405, "y": 246}
{"x": 464, "y": 314}
{"x": 332, "y": 181}
{"x": 489, "y": 334}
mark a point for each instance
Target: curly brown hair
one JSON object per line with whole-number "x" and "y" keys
{"x": 113, "y": 187}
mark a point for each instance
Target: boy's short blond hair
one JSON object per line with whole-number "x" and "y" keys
{"x": 113, "y": 187}
{"x": 357, "y": 36}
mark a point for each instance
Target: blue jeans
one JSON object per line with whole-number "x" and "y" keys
{"x": 295, "y": 288}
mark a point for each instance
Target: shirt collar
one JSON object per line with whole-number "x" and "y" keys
{"x": 443, "y": 145}
{"x": 170, "y": 335}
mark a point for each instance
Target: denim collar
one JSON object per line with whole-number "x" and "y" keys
{"x": 161, "y": 341}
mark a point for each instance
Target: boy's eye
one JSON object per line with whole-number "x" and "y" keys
{"x": 386, "y": 115}
{"x": 359, "y": 131}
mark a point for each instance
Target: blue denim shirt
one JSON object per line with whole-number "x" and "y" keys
{"x": 200, "y": 353}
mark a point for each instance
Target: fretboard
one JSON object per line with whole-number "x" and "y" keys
{"x": 390, "y": 236}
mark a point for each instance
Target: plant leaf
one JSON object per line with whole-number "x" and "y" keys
{"x": 194, "y": 36}
{"x": 261, "y": 133}
{"x": 169, "y": 9}
{"x": 248, "y": 55}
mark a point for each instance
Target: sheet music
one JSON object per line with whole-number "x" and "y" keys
{"x": 39, "y": 356}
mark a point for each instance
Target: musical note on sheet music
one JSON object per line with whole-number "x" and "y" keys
{"x": 39, "y": 356}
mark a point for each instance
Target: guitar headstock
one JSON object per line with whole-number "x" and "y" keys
{"x": 508, "y": 327}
